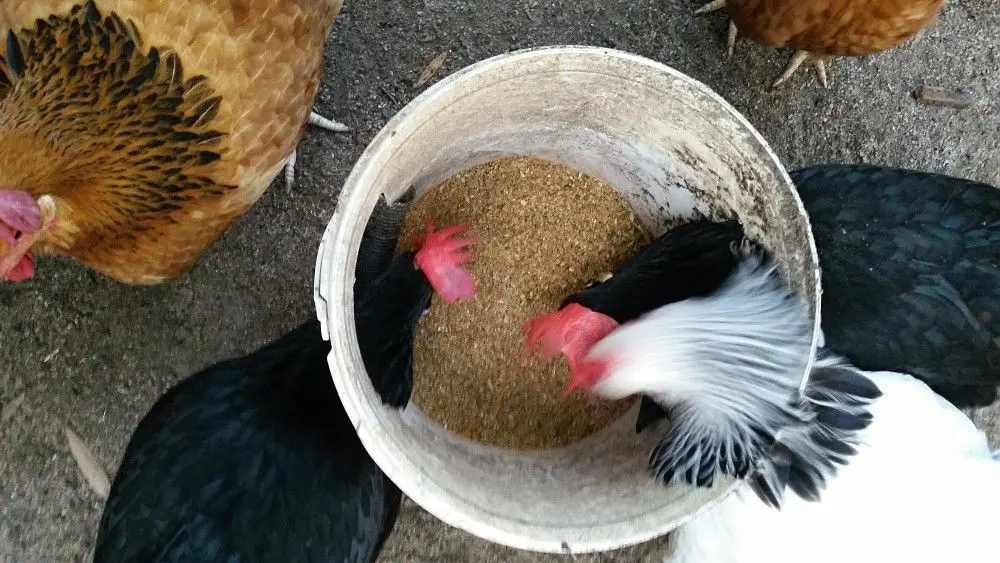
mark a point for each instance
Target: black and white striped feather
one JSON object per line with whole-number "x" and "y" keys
{"x": 805, "y": 456}
{"x": 727, "y": 367}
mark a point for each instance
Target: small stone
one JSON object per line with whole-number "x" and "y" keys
{"x": 948, "y": 97}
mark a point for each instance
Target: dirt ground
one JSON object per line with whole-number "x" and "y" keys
{"x": 93, "y": 355}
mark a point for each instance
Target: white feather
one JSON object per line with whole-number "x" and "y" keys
{"x": 730, "y": 353}
{"x": 92, "y": 471}
{"x": 922, "y": 488}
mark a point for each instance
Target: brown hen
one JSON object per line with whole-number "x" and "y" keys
{"x": 134, "y": 132}
{"x": 821, "y": 29}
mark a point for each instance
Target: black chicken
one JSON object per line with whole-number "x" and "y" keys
{"x": 910, "y": 276}
{"x": 255, "y": 459}
{"x": 251, "y": 459}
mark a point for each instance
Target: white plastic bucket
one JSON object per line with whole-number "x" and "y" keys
{"x": 672, "y": 147}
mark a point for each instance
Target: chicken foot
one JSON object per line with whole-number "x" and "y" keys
{"x": 800, "y": 57}
{"x": 797, "y": 59}
{"x": 321, "y": 122}
{"x": 716, "y": 5}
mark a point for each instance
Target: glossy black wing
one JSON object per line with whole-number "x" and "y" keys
{"x": 691, "y": 260}
{"x": 251, "y": 460}
{"x": 910, "y": 277}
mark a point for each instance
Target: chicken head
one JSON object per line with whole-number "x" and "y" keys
{"x": 571, "y": 331}
{"x": 22, "y": 221}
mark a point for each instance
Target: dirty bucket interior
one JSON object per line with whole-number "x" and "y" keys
{"x": 674, "y": 150}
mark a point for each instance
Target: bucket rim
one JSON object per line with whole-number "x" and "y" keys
{"x": 336, "y": 244}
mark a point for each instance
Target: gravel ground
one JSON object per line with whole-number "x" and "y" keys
{"x": 86, "y": 352}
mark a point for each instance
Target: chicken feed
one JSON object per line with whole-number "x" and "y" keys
{"x": 547, "y": 231}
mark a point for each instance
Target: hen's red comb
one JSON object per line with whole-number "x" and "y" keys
{"x": 571, "y": 331}
{"x": 439, "y": 257}
{"x": 23, "y": 270}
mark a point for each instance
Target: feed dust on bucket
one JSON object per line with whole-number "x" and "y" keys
{"x": 675, "y": 151}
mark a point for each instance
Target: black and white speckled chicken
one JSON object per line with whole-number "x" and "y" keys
{"x": 858, "y": 463}
{"x": 851, "y": 468}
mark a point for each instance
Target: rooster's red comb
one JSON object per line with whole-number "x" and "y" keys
{"x": 440, "y": 258}
{"x": 571, "y": 331}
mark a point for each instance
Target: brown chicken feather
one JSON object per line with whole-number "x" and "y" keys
{"x": 145, "y": 127}
{"x": 819, "y": 29}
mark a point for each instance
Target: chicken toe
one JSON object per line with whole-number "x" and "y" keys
{"x": 797, "y": 59}
{"x": 733, "y": 31}
{"x": 711, "y": 7}
{"x": 321, "y": 122}
{"x": 328, "y": 124}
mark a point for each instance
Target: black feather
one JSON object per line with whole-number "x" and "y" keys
{"x": 839, "y": 380}
{"x": 91, "y": 13}
{"x": 15, "y": 57}
{"x": 841, "y": 419}
{"x": 769, "y": 495}
{"x": 910, "y": 277}
{"x": 255, "y": 459}
{"x": 385, "y": 319}
{"x": 808, "y": 454}
{"x": 650, "y": 412}
{"x": 379, "y": 240}
{"x": 691, "y": 454}
{"x": 691, "y": 260}
{"x": 251, "y": 459}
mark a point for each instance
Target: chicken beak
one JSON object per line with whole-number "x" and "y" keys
{"x": 587, "y": 373}
{"x": 15, "y": 263}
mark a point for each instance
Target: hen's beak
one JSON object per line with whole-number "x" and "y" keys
{"x": 24, "y": 269}
{"x": 586, "y": 374}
